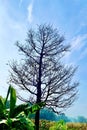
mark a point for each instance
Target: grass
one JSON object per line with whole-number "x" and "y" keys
{"x": 77, "y": 126}
{"x": 45, "y": 125}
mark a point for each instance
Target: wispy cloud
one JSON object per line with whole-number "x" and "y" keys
{"x": 78, "y": 42}
{"x": 30, "y": 9}
{"x": 77, "y": 48}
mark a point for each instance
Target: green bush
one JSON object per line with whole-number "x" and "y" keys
{"x": 14, "y": 117}
{"x": 60, "y": 125}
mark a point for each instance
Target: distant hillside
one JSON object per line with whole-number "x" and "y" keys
{"x": 50, "y": 115}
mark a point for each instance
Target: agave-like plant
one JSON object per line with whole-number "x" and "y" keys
{"x": 15, "y": 117}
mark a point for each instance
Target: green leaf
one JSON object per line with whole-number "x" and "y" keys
{"x": 12, "y": 100}
{"x": 20, "y": 108}
{"x": 60, "y": 125}
{"x": 2, "y": 108}
{"x": 1, "y": 104}
{"x": 34, "y": 108}
{"x": 4, "y": 125}
{"x": 7, "y": 94}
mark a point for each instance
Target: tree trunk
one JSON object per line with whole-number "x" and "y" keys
{"x": 37, "y": 120}
{"x": 39, "y": 91}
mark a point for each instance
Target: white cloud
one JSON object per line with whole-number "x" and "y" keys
{"x": 30, "y": 8}
{"x": 10, "y": 31}
{"x": 77, "y": 43}
{"x": 77, "y": 47}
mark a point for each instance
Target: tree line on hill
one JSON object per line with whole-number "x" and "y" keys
{"x": 47, "y": 114}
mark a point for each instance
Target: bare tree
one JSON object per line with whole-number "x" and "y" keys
{"x": 42, "y": 72}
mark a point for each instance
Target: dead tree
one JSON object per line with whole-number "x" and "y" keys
{"x": 42, "y": 72}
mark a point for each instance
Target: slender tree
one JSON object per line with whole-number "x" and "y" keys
{"x": 42, "y": 72}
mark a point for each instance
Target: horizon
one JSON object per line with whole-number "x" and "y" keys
{"x": 16, "y": 17}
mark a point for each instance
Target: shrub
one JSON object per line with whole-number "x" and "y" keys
{"x": 60, "y": 125}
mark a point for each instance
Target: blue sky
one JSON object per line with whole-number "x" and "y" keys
{"x": 69, "y": 16}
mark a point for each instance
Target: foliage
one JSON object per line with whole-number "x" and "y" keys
{"x": 12, "y": 93}
{"x": 82, "y": 119}
{"x": 47, "y": 125}
{"x": 77, "y": 126}
{"x": 16, "y": 117}
{"x": 2, "y": 108}
{"x": 63, "y": 117}
{"x": 59, "y": 126}
{"x": 48, "y": 114}
{"x": 43, "y": 125}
